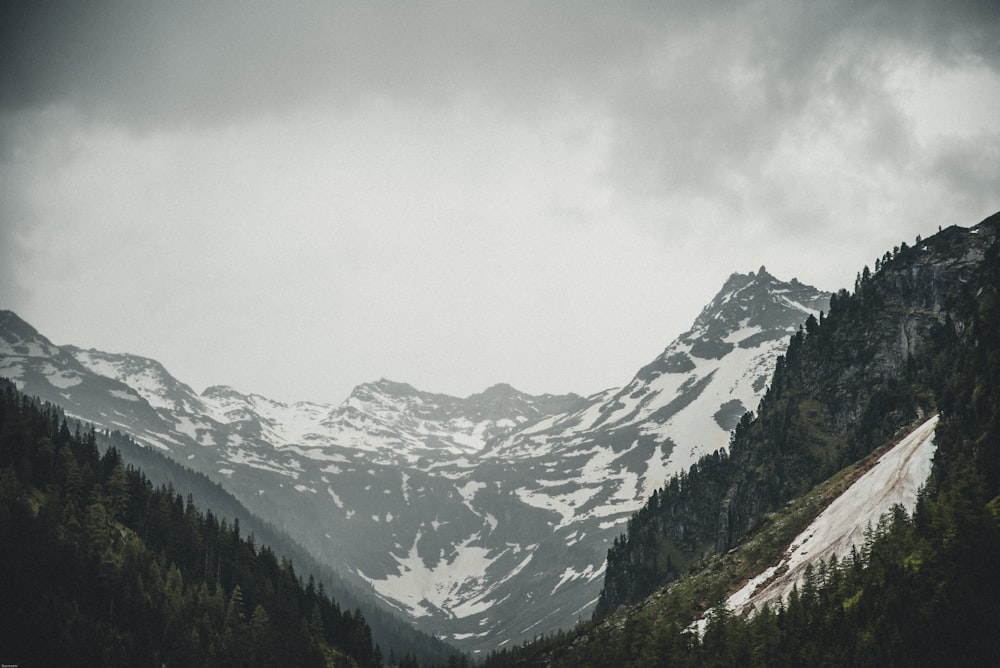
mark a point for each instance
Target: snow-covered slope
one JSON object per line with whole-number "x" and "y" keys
{"x": 895, "y": 479}
{"x": 487, "y": 518}
{"x": 683, "y": 404}
{"x": 147, "y": 377}
{"x": 54, "y": 374}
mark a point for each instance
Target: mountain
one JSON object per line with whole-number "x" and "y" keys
{"x": 841, "y": 388}
{"x": 486, "y": 519}
{"x": 686, "y": 401}
{"x": 786, "y": 528}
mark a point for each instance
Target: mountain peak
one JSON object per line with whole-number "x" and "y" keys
{"x": 15, "y": 330}
{"x": 19, "y": 339}
{"x": 386, "y": 386}
{"x": 222, "y": 392}
{"x": 738, "y": 282}
{"x": 756, "y": 301}
{"x": 761, "y": 277}
{"x": 498, "y": 390}
{"x": 133, "y": 363}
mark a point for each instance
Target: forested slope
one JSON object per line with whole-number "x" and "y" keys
{"x": 921, "y": 333}
{"x": 392, "y": 635}
{"x": 101, "y": 568}
{"x": 846, "y": 383}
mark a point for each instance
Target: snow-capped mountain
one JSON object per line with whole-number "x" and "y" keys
{"x": 686, "y": 401}
{"x": 486, "y": 519}
{"x": 147, "y": 377}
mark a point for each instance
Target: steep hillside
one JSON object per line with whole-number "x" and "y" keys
{"x": 100, "y": 568}
{"x": 894, "y": 480}
{"x": 391, "y": 633}
{"x": 843, "y": 386}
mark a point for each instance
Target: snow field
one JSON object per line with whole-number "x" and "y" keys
{"x": 895, "y": 479}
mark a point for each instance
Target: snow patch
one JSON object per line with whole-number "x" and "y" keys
{"x": 895, "y": 479}
{"x": 121, "y": 394}
{"x": 458, "y": 587}
{"x": 12, "y": 371}
{"x": 63, "y": 380}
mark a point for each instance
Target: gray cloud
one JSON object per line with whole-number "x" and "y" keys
{"x": 689, "y": 128}
{"x": 971, "y": 167}
{"x": 668, "y": 71}
{"x": 747, "y": 77}
{"x": 204, "y": 62}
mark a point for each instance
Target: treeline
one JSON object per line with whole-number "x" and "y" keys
{"x": 98, "y": 567}
{"x": 664, "y": 537}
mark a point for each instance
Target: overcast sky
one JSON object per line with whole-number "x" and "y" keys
{"x": 294, "y": 198}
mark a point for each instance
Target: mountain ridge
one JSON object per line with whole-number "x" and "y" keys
{"x": 459, "y": 509}
{"x": 838, "y": 391}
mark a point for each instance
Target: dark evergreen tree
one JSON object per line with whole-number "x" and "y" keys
{"x": 101, "y": 568}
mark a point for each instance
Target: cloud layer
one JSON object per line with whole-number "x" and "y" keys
{"x": 297, "y": 198}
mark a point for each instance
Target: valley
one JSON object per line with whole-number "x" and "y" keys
{"x": 499, "y": 518}
{"x": 484, "y": 519}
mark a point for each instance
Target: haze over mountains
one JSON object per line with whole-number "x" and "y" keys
{"x": 485, "y": 519}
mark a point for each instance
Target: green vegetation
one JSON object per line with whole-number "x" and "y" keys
{"x": 846, "y": 383}
{"x": 669, "y": 612}
{"x": 922, "y": 589}
{"x": 98, "y": 567}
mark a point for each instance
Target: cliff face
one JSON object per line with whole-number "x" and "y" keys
{"x": 846, "y": 383}
{"x": 849, "y": 382}
{"x": 914, "y": 294}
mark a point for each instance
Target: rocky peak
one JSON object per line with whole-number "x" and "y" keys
{"x": 386, "y": 386}
{"x": 386, "y": 399}
{"x": 223, "y": 392}
{"x": 13, "y": 330}
{"x": 18, "y": 338}
{"x": 125, "y": 363}
{"x": 498, "y": 390}
{"x": 754, "y": 304}
{"x": 503, "y": 402}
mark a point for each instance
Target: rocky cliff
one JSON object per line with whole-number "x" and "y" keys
{"x": 847, "y": 381}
